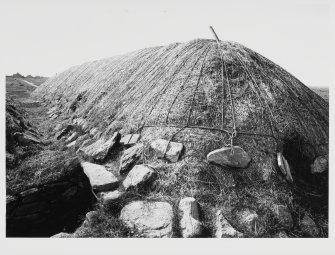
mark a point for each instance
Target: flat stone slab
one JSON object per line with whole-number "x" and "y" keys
{"x": 223, "y": 227}
{"x": 190, "y": 224}
{"x": 237, "y": 158}
{"x": 169, "y": 150}
{"x": 72, "y": 137}
{"x": 130, "y": 139}
{"x": 151, "y": 219}
{"x": 100, "y": 179}
{"x": 130, "y": 157}
{"x": 139, "y": 175}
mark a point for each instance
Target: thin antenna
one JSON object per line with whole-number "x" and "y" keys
{"x": 215, "y": 35}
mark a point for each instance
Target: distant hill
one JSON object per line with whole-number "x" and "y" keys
{"x": 322, "y": 92}
{"x": 19, "y": 86}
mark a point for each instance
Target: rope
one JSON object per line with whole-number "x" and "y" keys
{"x": 223, "y": 65}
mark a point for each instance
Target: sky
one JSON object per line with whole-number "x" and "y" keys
{"x": 42, "y": 37}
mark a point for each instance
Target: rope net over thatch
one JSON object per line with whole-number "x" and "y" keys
{"x": 199, "y": 84}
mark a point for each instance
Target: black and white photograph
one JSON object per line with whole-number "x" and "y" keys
{"x": 136, "y": 120}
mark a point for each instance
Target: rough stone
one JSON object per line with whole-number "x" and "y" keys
{"x": 64, "y": 132}
{"x": 308, "y": 227}
{"x": 110, "y": 196}
{"x": 94, "y": 131}
{"x": 101, "y": 148}
{"x": 283, "y": 216}
{"x": 169, "y": 150}
{"x": 100, "y": 179}
{"x": 237, "y": 158}
{"x": 151, "y": 219}
{"x": 71, "y": 145}
{"x": 72, "y": 137}
{"x": 223, "y": 227}
{"x": 30, "y": 195}
{"x": 248, "y": 221}
{"x": 281, "y": 234}
{"x": 62, "y": 235}
{"x": 130, "y": 139}
{"x": 190, "y": 224}
{"x": 138, "y": 176}
{"x": 320, "y": 165}
{"x": 130, "y": 157}
{"x": 26, "y": 139}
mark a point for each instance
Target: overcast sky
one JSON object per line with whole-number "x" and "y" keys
{"x": 43, "y": 37}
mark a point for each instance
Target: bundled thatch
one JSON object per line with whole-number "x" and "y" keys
{"x": 201, "y": 93}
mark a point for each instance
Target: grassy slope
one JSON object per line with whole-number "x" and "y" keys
{"x": 322, "y": 92}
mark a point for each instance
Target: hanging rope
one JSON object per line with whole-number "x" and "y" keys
{"x": 223, "y": 65}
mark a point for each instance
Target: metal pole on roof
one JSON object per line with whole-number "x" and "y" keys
{"x": 215, "y": 35}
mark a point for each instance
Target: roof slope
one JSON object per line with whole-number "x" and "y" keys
{"x": 196, "y": 84}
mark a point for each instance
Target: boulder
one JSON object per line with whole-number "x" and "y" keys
{"x": 223, "y": 227}
{"x": 100, "y": 179}
{"x": 101, "y": 148}
{"x": 150, "y": 219}
{"x": 283, "y": 216}
{"x": 62, "y": 235}
{"x": 190, "y": 224}
{"x": 165, "y": 149}
{"x": 248, "y": 221}
{"x": 225, "y": 156}
{"x": 130, "y": 157}
{"x": 320, "y": 165}
{"x": 110, "y": 197}
{"x": 130, "y": 140}
{"x": 138, "y": 176}
{"x": 72, "y": 137}
{"x": 308, "y": 227}
{"x": 26, "y": 139}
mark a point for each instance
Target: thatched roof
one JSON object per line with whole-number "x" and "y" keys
{"x": 196, "y": 93}
{"x": 189, "y": 84}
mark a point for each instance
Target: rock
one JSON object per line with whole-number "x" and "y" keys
{"x": 101, "y": 148}
{"x": 94, "y": 131}
{"x": 72, "y": 137}
{"x": 100, "y": 179}
{"x": 130, "y": 157}
{"x": 25, "y": 139}
{"x": 110, "y": 196}
{"x": 89, "y": 217}
{"x": 52, "y": 110}
{"x": 58, "y": 127}
{"x": 248, "y": 220}
{"x": 283, "y": 216}
{"x": 190, "y": 217}
{"x": 30, "y": 195}
{"x": 308, "y": 227}
{"x": 320, "y": 165}
{"x": 151, "y": 219}
{"x": 10, "y": 160}
{"x": 224, "y": 157}
{"x": 281, "y": 234}
{"x": 62, "y": 235}
{"x": 71, "y": 145}
{"x": 130, "y": 139}
{"x": 223, "y": 227}
{"x": 85, "y": 144}
{"x": 64, "y": 132}
{"x": 165, "y": 149}
{"x": 284, "y": 167}
{"x": 138, "y": 176}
